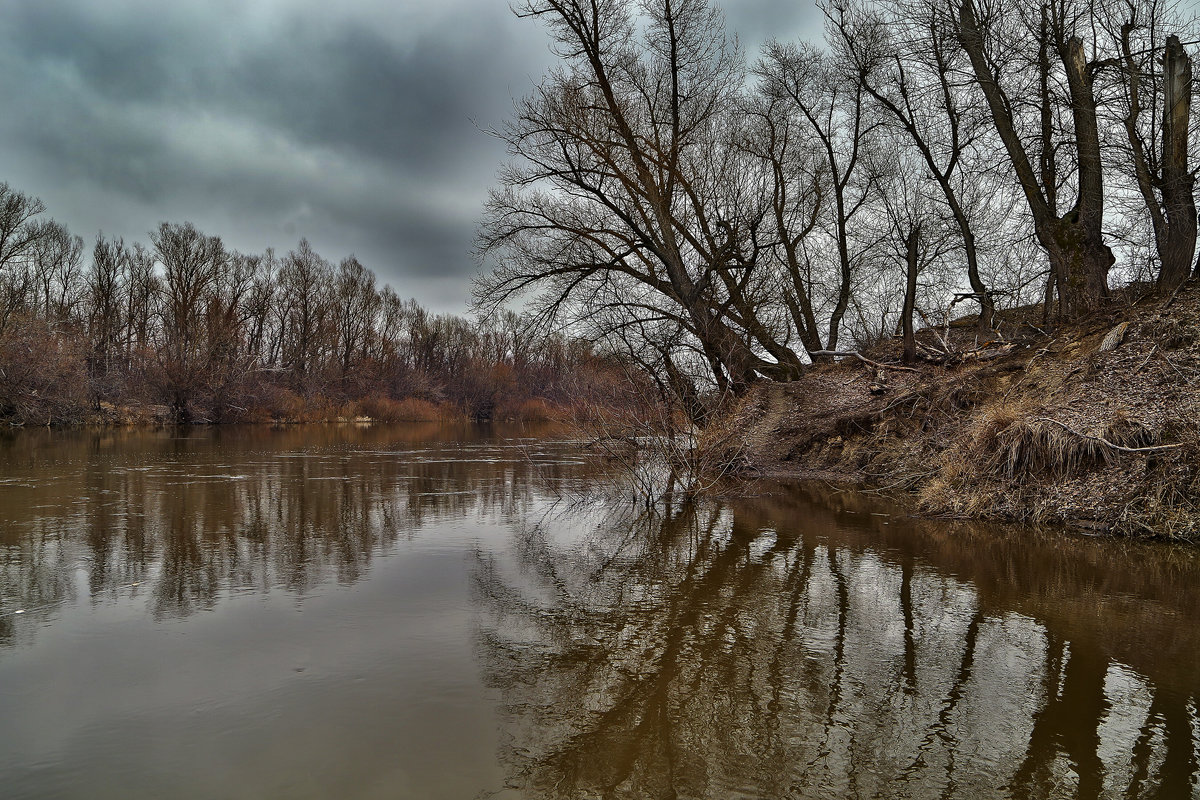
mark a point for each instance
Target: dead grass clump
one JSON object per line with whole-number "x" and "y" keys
{"x": 1037, "y": 447}
{"x": 961, "y": 396}
{"x": 280, "y": 404}
{"x": 411, "y": 409}
{"x": 1172, "y": 333}
{"x": 1017, "y": 442}
{"x": 1127, "y": 432}
{"x": 533, "y": 409}
{"x": 1166, "y": 501}
{"x": 991, "y": 423}
{"x": 948, "y": 495}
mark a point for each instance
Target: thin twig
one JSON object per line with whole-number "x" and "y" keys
{"x": 1106, "y": 442}
{"x": 1036, "y": 328}
{"x": 1146, "y": 360}
{"x": 1175, "y": 293}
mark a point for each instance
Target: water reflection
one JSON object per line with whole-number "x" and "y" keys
{"x": 183, "y": 516}
{"x": 791, "y": 645}
{"x": 814, "y": 647}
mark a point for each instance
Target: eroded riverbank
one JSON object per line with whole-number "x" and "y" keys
{"x": 1092, "y": 425}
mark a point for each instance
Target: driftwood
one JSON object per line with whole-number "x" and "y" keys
{"x": 1106, "y": 442}
{"x": 862, "y": 358}
{"x": 930, "y": 355}
{"x": 1114, "y": 338}
{"x": 985, "y": 352}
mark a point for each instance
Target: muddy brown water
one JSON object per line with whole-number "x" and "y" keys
{"x": 435, "y": 612}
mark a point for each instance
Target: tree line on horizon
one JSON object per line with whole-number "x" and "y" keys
{"x": 720, "y": 219}
{"x": 208, "y": 334}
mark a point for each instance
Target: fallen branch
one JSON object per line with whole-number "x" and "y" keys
{"x": 1175, "y": 293}
{"x": 1146, "y": 360}
{"x": 860, "y": 357}
{"x": 1106, "y": 442}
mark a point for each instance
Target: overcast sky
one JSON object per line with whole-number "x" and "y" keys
{"x": 355, "y": 123}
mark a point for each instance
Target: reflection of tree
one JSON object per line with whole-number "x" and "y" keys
{"x": 186, "y": 515}
{"x": 717, "y": 652}
{"x": 1170, "y": 717}
{"x": 34, "y": 574}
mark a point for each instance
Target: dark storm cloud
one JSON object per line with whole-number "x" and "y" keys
{"x": 350, "y": 124}
{"x": 333, "y": 84}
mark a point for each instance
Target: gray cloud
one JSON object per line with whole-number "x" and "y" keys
{"x": 350, "y": 124}
{"x": 756, "y": 21}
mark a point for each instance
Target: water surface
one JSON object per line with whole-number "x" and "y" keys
{"x": 434, "y": 612}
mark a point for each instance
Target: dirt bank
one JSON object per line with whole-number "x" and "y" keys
{"x": 1038, "y": 424}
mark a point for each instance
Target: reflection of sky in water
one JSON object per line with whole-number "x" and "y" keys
{"x": 392, "y": 612}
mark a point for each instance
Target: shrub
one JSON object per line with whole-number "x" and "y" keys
{"x": 43, "y": 376}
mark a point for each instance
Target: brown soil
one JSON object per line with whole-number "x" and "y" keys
{"x": 1031, "y": 427}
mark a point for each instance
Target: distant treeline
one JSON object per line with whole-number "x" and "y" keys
{"x": 186, "y": 329}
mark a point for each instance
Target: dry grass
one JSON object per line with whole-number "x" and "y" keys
{"x": 280, "y": 405}
{"x": 1024, "y": 447}
{"x": 1053, "y": 431}
{"x": 533, "y": 409}
{"x": 379, "y": 408}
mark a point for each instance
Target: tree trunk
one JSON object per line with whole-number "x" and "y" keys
{"x": 912, "y": 261}
{"x": 1178, "y": 246}
{"x": 1074, "y": 242}
{"x": 1080, "y": 260}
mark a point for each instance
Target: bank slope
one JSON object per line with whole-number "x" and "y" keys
{"x": 1095, "y": 424}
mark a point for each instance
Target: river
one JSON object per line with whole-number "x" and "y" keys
{"x": 465, "y": 612}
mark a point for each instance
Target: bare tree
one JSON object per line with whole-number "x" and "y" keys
{"x": 906, "y": 57}
{"x": 1016, "y": 55}
{"x": 106, "y": 288}
{"x": 356, "y": 303}
{"x": 621, "y": 160}
{"x": 1157, "y": 142}
{"x": 917, "y": 238}
{"x": 257, "y": 311}
{"x": 57, "y": 261}
{"x": 833, "y": 110}
{"x": 798, "y": 184}
{"x": 305, "y": 282}
{"x": 20, "y": 231}
{"x": 192, "y": 265}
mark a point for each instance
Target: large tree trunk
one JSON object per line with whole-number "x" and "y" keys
{"x": 1085, "y": 258}
{"x": 1167, "y": 192}
{"x": 1178, "y": 245}
{"x": 1074, "y": 242}
{"x": 1080, "y": 260}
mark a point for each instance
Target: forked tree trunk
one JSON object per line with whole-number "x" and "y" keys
{"x": 1074, "y": 241}
{"x": 1080, "y": 260}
